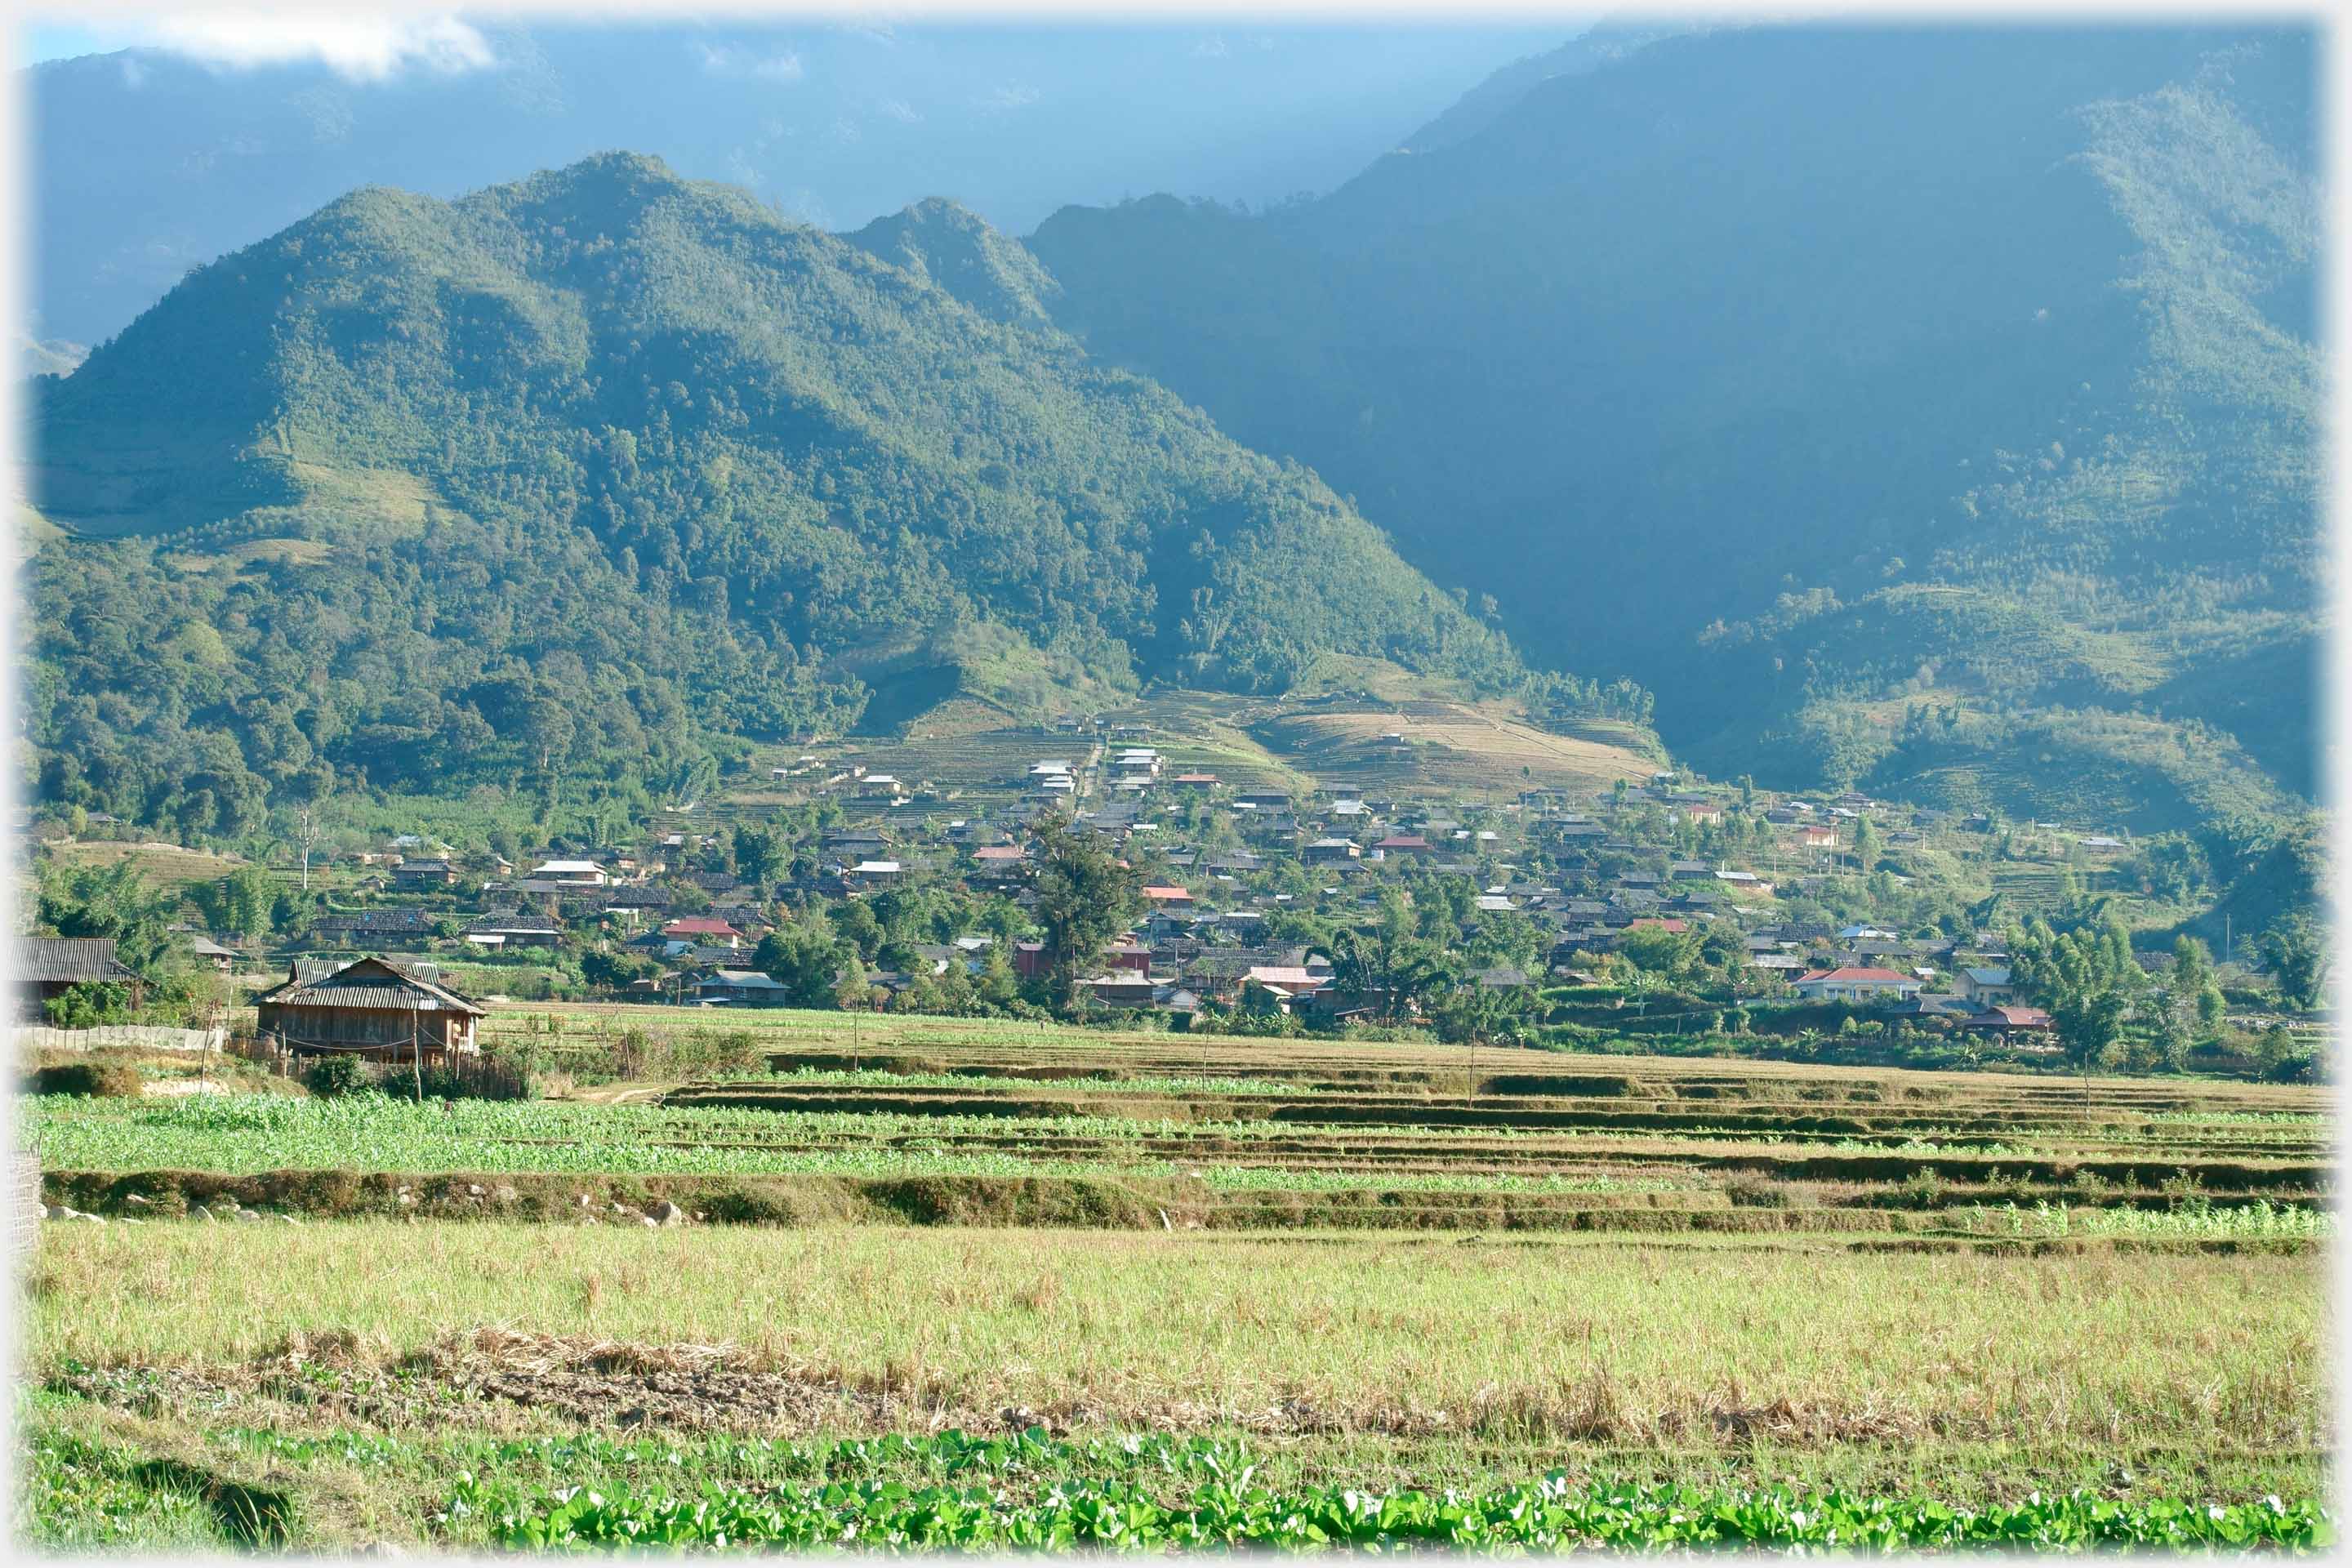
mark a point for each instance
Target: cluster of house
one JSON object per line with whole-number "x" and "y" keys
{"x": 1980, "y": 998}
{"x": 1586, "y": 872}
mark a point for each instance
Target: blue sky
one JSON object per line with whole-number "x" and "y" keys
{"x": 240, "y": 121}
{"x": 45, "y": 42}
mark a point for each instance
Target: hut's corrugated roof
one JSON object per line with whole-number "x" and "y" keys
{"x": 66, "y": 960}
{"x": 367, "y": 982}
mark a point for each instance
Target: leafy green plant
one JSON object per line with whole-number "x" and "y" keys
{"x": 1230, "y": 1510}
{"x": 333, "y": 1076}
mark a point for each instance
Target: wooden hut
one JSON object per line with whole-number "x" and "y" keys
{"x": 369, "y": 1006}
{"x": 50, "y": 967}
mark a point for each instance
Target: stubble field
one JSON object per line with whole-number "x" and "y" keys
{"x": 1189, "y": 1293}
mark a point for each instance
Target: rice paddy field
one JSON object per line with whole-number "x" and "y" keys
{"x": 980, "y": 1286}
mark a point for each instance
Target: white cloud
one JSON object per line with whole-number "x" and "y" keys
{"x": 735, "y": 61}
{"x": 1011, "y": 95}
{"x": 1210, "y": 49}
{"x": 358, "y": 46}
{"x": 899, "y": 109}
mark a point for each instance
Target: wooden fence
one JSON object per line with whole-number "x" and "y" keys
{"x": 24, "y": 1206}
{"x": 136, "y": 1036}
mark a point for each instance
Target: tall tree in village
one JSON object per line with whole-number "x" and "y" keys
{"x": 1388, "y": 962}
{"x": 2089, "y": 982}
{"x": 1086, "y": 897}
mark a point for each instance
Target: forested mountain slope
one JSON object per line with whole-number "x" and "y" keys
{"x": 563, "y": 480}
{"x": 1817, "y": 376}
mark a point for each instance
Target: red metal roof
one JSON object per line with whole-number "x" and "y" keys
{"x": 698, "y": 925}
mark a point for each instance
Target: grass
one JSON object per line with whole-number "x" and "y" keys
{"x": 878, "y": 1077}
{"x": 78, "y": 1495}
{"x": 1631, "y": 1345}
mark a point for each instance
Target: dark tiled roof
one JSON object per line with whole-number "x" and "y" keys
{"x": 514, "y": 925}
{"x": 367, "y": 982}
{"x": 66, "y": 960}
{"x": 400, "y": 921}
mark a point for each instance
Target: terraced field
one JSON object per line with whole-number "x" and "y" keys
{"x": 2094, "y": 1309}
{"x": 1062, "y": 1126}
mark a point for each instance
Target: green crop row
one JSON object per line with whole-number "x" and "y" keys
{"x": 978, "y": 1083}
{"x": 247, "y": 1135}
{"x": 953, "y": 1452}
{"x": 2192, "y": 1218}
{"x": 1548, "y": 1515}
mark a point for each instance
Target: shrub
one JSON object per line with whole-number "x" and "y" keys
{"x": 2301, "y": 1067}
{"x": 89, "y": 1005}
{"x": 1923, "y": 1190}
{"x": 111, "y": 1080}
{"x": 331, "y": 1077}
{"x": 1757, "y": 1193}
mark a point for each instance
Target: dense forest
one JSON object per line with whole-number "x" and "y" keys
{"x": 576, "y": 478}
{"x": 1805, "y": 372}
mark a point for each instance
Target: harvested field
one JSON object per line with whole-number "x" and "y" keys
{"x": 1396, "y": 1265}
{"x": 163, "y": 865}
{"x": 1632, "y": 1345}
{"x": 1448, "y": 747}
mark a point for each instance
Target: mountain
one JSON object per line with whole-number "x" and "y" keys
{"x": 577, "y": 478}
{"x": 146, "y": 161}
{"x": 1880, "y": 398}
{"x": 1597, "y": 49}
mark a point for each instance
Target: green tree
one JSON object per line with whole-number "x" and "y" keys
{"x": 1670, "y": 955}
{"x": 239, "y": 904}
{"x": 89, "y": 1005}
{"x": 1389, "y": 960}
{"x": 1085, "y": 898}
{"x": 1865, "y": 844}
{"x": 1485, "y": 1015}
{"x": 998, "y": 986}
{"x": 757, "y": 855}
{"x": 807, "y": 960}
{"x": 854, "y": 919}
{"x": 2296, "y": 954}
{"x": 116, "y": 902}
{"x": 613, "y": 970}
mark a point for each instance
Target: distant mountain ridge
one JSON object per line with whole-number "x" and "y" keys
{"x": 1688, "y": 348}
{"x": 614, "y": 443}
{"x": 144, "y": 162}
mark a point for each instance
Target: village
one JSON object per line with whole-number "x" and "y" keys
{"x": 1668, "y": 903}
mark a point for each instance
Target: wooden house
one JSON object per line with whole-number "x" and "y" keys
{"x": 48, "y": 967}
{"x": 372, "y": 1008}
